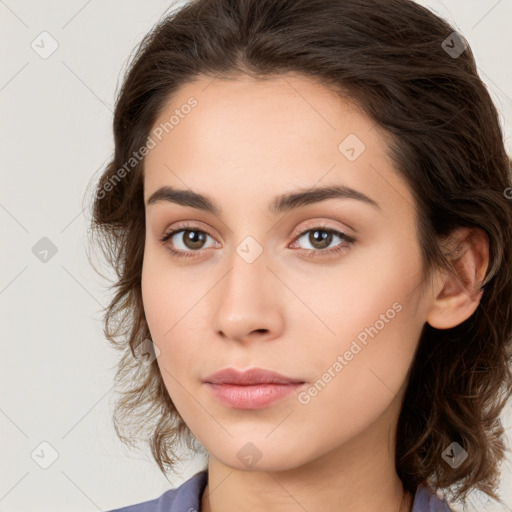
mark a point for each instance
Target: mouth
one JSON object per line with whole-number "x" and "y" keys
{"x": 255, "y": 396}
{"x": 249, "y": 377}
{"x": 252, "y": 389}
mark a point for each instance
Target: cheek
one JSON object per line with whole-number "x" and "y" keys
{"x": 361, "y": 373}
{"x": 161, "y": 304}
{"x": 170, "y": 303}
{"x": 371, "y": 311}
{"x": 163, "y": 292}
{"x": 369, "y": 287}
{"x": 155, "y": 297}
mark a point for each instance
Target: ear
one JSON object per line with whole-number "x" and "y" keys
{"x": 456, "y": 297}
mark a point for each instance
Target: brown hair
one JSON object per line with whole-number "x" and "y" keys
{"x": 396, "y": 60}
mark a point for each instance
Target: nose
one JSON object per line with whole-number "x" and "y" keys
{"x": 249, "y": 301}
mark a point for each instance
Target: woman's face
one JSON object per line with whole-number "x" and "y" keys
{"x": 264, "y": 283}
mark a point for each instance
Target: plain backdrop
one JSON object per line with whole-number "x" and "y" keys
{"x": 55, "y": 134}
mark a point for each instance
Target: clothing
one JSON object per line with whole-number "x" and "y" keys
{"x": 187, "y": 498}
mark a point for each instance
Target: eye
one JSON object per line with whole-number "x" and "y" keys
{"x": 192, "y": 240}
{"x": 321, "y": 237}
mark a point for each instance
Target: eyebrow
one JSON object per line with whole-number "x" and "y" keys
{"x": 279, "y": 204}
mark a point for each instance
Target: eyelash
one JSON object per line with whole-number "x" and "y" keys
{"x": 309, "y": 253}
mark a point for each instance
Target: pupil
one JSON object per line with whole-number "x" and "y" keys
{"x": 195, "y": 238}
{"x": 324, "y": 239}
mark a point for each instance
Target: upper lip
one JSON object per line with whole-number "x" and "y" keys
{"x": 251, "y": 376}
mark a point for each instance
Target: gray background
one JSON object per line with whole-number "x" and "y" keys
{"x": 57, "y": 369}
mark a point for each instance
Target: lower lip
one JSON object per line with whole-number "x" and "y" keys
{"x": 254, "y": 396}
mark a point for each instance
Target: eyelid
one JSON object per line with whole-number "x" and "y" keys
{"x": 323, "y": 224}
{"x": 187, "y": 224}
{"x": 347, "y": 241}
{"x": 182, "y": 226}
{"x": 297, "y": 233}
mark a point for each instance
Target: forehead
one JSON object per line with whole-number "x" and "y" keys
{"x": 260, "y": 136}
{"x": 252, "y": 111}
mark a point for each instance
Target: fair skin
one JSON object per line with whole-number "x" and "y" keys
{"x": 245, "y": 143}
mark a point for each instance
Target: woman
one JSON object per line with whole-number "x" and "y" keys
{"x": 307, "y": 211}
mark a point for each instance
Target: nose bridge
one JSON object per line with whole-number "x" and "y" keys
{"x": 247, "y": 278}
{"x": 247, "y": 299}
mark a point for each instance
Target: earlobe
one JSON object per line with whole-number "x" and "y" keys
{"x": 457, "y": 295}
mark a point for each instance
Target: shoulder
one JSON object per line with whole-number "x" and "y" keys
{"x": 426, "y": 500}
{"x": 184, "y": 498}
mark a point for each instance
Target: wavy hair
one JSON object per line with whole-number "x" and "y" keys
{"x": 416, "y": 77}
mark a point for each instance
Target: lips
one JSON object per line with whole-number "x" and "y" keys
{"x": 257, "y": 396}
{"x": 249, "y": 377}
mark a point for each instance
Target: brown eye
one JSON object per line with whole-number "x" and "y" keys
{"x": 321, "y": 238}
{"x": 193, "y": 239}
{"x": 185, "y": 241}
{"x": 188, "y": 241}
